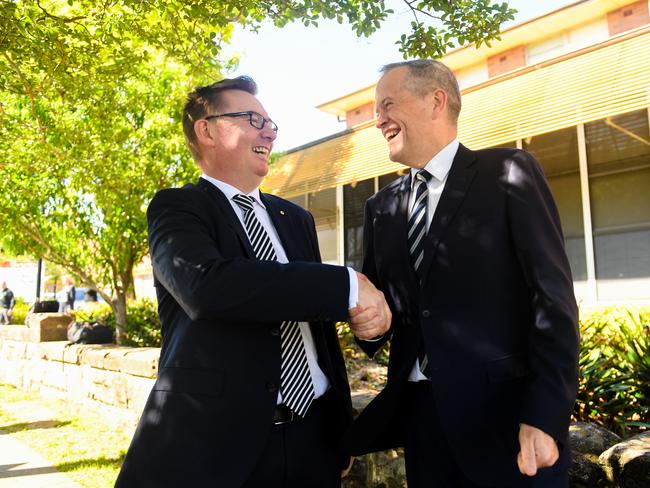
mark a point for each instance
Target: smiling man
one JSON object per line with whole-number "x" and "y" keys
{"x": 251, "y": 389}
{"x": 468, "y": 248}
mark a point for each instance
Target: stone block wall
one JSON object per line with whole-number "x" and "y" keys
{"x": 112, "y": 379}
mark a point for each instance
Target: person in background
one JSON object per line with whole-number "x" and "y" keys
{"x": 7, "y": 302}
{"x": 67, "y": 296}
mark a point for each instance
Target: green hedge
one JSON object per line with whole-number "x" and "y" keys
{"x": 20, "y": 311}
{"x": 614, "y": 388}
{"x": 143, "y": 329}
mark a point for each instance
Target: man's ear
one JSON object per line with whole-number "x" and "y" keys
{"x": 439, "y": 100}
{"x": 203, "y": 134}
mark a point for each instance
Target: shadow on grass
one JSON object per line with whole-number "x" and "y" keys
{"x": 39, "y": 424}
{"x": 99, "y": 462}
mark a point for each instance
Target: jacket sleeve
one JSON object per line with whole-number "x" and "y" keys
{"x": 210, "y": 286}
{"x": 370, "y": 270}
{"x": 553, "y": 338}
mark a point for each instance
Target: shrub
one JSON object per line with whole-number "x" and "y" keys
{"x": 143, "y": 325}
{"x": 614, "y": 387}
{"x": 143, "y": 328}
{"x": 20, "y": 311}
{"x": 94, "y": 312}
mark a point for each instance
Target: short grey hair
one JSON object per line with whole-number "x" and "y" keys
{"x": 426, "y": 75}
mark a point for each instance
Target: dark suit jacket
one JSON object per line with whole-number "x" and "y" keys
{"x": 210, "y": 411}
{"x": 496, "y": 311}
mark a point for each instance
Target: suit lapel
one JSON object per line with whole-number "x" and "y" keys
{"x": 460, "y": 177}
{"x": 228, "y": 214}
{"x": 295, "y": 246}
{"x": 401, "y": 232}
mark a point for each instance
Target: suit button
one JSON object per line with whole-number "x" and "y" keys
{"x": 426, "y": 314}
{"x": 275, "y": 332}
{"x": 272, "y": 387}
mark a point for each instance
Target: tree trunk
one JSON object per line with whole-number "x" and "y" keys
{"x": 118, "y": 304}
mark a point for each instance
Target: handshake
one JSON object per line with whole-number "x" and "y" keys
{"x": 371, "y": 317}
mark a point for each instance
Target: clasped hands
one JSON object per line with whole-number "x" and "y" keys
{"x": 371, "y": 317}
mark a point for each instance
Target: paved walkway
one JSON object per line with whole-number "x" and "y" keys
{"x": 21, "y": 467}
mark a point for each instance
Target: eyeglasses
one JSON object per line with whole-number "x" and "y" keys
{"x": 256, "y": 120}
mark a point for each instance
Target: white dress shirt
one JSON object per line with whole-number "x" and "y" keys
{"x": 439, "y": 167}
{"x": 320, "y": 381}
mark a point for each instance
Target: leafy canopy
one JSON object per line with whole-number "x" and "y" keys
{"x": 90, "y": 101}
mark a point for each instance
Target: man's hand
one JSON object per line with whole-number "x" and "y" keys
{"x": 371, "y": 317}
{"x": 346, "y": 471}
{"x": 537, "y": 450}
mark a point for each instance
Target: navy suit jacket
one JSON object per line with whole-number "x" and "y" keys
{"x": 496, "y": 312}
{"x": 210, "y": 411}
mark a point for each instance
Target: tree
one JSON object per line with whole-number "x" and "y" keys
{"x": 90, "y": 102}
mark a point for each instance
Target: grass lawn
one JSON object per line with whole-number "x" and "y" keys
{"x": 77, "y": 441}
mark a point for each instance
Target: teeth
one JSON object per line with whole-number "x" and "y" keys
{"x": 261, "y": 150}
{"x": 391, "y": 133}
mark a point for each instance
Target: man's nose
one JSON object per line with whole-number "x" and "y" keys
{"x": 381, "y": 120}
{"x": 269, "y": 133}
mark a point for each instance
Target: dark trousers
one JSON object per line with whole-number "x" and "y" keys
{"x": 429, "y": 462}
{"x": 300, "y": 454}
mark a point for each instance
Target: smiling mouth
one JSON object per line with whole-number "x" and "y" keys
{"x": 391, "y": 134}
{"x": 264, "y": 151}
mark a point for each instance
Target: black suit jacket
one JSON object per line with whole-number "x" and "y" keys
{"x": 210, "y": 411}
{"x": 496, "y": 311}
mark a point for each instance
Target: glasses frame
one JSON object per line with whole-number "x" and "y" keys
{"x": 250, "y": 114}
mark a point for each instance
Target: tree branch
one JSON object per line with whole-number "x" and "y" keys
{"x": 55, "y": 17}
{"x": 415, "y": 9}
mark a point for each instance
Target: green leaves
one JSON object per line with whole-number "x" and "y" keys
{"x": 90, "y": 102}
{"x": 614, "y": 388}
{"x": 459, "y": 23}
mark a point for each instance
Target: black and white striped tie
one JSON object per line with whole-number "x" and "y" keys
{"x": 417, "y": 230}
{"x": 295, "y": 379}
{"x": 417, "y": 223}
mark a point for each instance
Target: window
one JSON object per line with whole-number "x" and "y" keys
{"x": 557, "y": 152}
{"x": 618, "y": 156}
{"x": 354, "y": 202}
{"x": 385, "y": 180}
{"x": 322, "y": 205}
{"x": 546, "y": 49}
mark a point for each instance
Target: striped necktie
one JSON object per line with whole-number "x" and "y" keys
{"x": 417, "y": 230}
{"x": 295, "y": 378}
{"x": 417, "y": 223}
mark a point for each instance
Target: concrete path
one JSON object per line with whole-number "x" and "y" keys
{"x": 21, "y": 467}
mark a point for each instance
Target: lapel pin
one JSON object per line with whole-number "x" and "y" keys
{"x": 281, "y": 212}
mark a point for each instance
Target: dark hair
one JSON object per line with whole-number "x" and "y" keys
{"x": 426, "y": 75}
{"x": 205, "y": 100}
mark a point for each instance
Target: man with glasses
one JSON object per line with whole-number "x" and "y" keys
{"x": 252, "y": 388}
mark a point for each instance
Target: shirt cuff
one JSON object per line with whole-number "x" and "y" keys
{"x": 375, "y": 339}
{"x": 354, "y": 288}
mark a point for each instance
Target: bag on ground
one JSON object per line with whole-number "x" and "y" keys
{"x": 89, "y": 333}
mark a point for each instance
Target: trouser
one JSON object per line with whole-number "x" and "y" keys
{"x": 300, "y": 454}
{"x": 6, "y": 314}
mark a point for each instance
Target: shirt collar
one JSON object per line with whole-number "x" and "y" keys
{"x": 440, "y": 164}
{"x": 230, "y": 191}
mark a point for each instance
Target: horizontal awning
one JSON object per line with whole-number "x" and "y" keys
{"x": 600, "y": 81}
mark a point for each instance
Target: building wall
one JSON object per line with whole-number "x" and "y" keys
{"x": 360, "y": 115}
{"x": 628, "y": 17}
